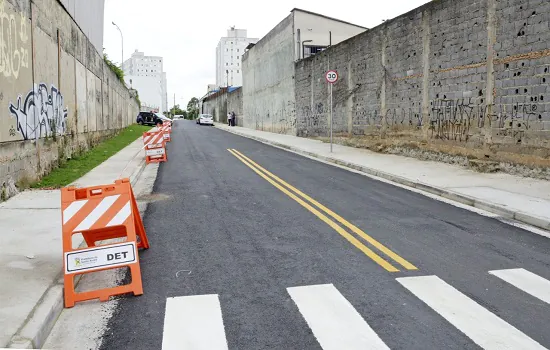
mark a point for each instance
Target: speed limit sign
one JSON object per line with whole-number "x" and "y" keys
{"x": 331, "y": 76}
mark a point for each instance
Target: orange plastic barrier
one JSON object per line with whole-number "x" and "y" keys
{"x": 155, "y": 147}
{"x": 101, "y": 213}
{"x": 167, "y": 131}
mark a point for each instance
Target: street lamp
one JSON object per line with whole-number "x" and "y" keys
{"x": 122, "y": 40}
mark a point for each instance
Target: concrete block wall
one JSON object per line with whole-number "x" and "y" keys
{"x": 268, "y": 81}
{"x": 57, "y": 96}
{"x": 470, "y": 73}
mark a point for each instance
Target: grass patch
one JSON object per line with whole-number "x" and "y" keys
{"x": 78, "y": 166}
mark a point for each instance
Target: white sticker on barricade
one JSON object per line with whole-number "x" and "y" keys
{"x": 100, "y": 257}
{"x": 155, "y": 152}
{"x": 166, "y": 135}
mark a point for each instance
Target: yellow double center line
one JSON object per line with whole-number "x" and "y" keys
{"x": 296, "y": 194}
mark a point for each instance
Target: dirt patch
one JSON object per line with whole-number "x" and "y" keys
{"x": 473, "y": 157}
{"x": 153, "y": 197}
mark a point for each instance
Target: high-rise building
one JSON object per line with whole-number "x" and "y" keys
{"x": 147, "y": 76}
{"x": 228, "y": 57}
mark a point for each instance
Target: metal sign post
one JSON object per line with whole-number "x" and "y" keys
{"x": 332, "y": 77}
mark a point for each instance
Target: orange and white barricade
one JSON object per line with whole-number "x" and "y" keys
{"x": 167, "y": 131}
{"x": 155, "y": 147}
{"x": 101, "y": 213}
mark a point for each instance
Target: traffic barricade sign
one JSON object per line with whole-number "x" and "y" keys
{"x": 101, "y": 213}
{"x": 167, "y": 131}
{"x": 155, "y": 147}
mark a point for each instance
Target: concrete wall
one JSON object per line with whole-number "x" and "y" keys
{"x": 268, "y": 81}
{"x": 88, "y": 15}
{"x": 223, "y": 102}
{"x": 57, "y": 96}
{"x": 216, "y": 105}
{"x": 235, "y": 104}
{"x": 465, "y": 73}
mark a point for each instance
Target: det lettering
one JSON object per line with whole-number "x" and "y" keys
{"x": 116, "y": 256}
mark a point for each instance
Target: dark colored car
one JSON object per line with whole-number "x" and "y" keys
{"x": 147, "y": 118}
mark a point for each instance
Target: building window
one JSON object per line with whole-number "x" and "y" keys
{"x": 226, "y": 50}
{"x": 238, "y": 64}
{"x": 231, "y": 43}
{"x": 227, "y": 64}
{"x": 237, "y": 50}
{"x": 238, "y": 71}
{"x": 237, "y": 57}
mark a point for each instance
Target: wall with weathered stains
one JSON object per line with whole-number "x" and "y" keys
{"x": 235, "y": 104}
{"x": 470, "y": 73}
{"x": 57, "y": 96}
{"x": 216, "y": 105}
{"x": 268, "y": 81}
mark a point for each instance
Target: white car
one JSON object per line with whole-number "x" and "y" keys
{"x": 205, "y": 119}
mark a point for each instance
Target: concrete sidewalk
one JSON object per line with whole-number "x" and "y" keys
{"x": 523, "y": 199}
{"x": 31, "y": 260}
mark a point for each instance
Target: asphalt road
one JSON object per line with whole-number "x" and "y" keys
{"x": 221, "y": 229}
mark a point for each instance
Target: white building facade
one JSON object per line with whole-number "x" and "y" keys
{"x": 147, "y": 76}
{"x": 229, "y": 57}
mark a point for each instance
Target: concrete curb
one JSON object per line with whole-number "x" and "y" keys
{"x": 441, "y": 192}
{"x": 37, "y": 327}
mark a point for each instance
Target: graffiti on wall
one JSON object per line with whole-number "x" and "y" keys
{"x": 13, "y": 38}
{"x": 42, "y": 114}
{"x": 456, "y": 119}
{"x": 452, "y": 119}
{"x": 410, "y": 117}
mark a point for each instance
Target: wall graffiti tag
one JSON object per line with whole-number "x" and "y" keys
{"x": 13, "y": 55}
{"x": 452, "y": 119}
{"x": 42, "y": 113}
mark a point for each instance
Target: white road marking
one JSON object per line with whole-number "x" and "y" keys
{"x": 98, "y": 211}
{"x": 193, "y": 323}
{"x": 526, "y": 281}
{"x": 333, "y": 320}
{"x": 483, "y": 327}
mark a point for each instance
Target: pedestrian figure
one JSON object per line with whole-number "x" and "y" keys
{"x": 233, "y": 119}
{"x": 228, "y": 119}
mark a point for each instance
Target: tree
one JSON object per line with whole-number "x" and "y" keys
{"x": 193, "y": 108}
{"x": 176, "y": 110}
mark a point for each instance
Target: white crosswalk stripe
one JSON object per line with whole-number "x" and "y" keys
{"x": 193, "y": 323}
{"x": 483, "y": 327}
{"x": 526, "y": 281}
{"x": 333, "y": 320}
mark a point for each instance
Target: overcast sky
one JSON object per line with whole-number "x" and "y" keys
{"x": 186, "y": 33}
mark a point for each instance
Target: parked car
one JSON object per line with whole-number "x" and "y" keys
{"x": 164, "y": 118}
{"x": 205, "y": 119}
{"x": 147, "y": 118}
